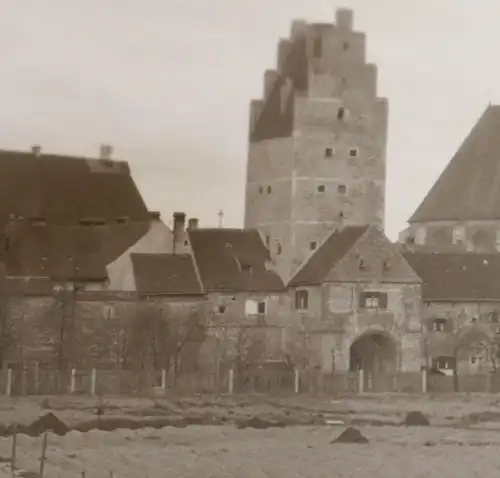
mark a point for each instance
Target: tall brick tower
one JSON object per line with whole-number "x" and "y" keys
{"x": 317, "y": 142}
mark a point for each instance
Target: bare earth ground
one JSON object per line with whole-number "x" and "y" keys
{"x": 462, "y": 441}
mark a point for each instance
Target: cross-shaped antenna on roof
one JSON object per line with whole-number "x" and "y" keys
{"x": 221, "y": 215}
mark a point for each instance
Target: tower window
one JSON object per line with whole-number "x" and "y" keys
{"x": 267, "y": 240}
{"x": 345, "y": 46}
{"x": 279, "y": 249}
{"x": 269, "y": 189}
{"x": 341, "y": 113}
{"x": 321, "y": 188}
{"x": 317, "y": 48}
{"x": 313, "y": 245}
{"x": 353, "y": 152}
{"x": 328, "y": 152}
{"x": 342, "y": 189}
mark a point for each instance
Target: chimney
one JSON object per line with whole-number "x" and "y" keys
{"x": 179, "y": 226}
{"x": 106, "y": 152}
{"x": 193, "y": 223}
{"x": 36, "y": 149}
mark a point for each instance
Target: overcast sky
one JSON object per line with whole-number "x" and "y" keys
{"x": 168, "y": 84}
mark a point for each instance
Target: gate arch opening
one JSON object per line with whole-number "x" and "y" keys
{"x": 374, "y": 352}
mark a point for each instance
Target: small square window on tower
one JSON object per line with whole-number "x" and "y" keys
{"x": 341, "y": 113}
{"x": 313, "y": 245}
{"x": 353, "y": 152}
{"x": 328, "y": 152}
{"x": 269, "y": 189}
{"x": 321, "y": 188}
{"x": 342, "y": 189}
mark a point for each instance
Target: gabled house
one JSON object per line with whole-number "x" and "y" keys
{"x": 248, "y": 300}
{"x": 357, "y": 304}
{"x": 460, "y": 307}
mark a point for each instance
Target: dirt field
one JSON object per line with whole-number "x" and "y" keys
{"x": 462, "y": 441}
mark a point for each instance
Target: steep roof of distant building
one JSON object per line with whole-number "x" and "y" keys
{"x": 233, "y": 260}
{"x": 452, "y": 276}
{"x": 69, "y": 252}
{"x": 166, "y": 274}
{"x": 469, "y": 187}
{"x": 65, "y": 189}
{"x": 324, "y": 259}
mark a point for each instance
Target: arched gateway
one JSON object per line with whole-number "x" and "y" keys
{"x": 376, "y": 353}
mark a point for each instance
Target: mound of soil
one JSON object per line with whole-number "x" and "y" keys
{"x": 416, "y": 419}
{"x": 351, "y": 435}
{"x": 259, "y": 423}
{"x": 48, "y": 422}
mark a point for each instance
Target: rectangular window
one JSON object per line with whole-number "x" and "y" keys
{"x": 353, "y": 152}
{"x": 458, "y": 234}
{"x": 313, "y": 245}
{"x": 439, "y": 325}
{"x": 444, "y": 363}
{"x": 373, "y": 300}
{"x": 267, "y": 240}
{"x": 301, "y": 299}
{"x": 261, "y": 307}
{"x": 328, "y": 152}
{"x": 321, "y": 188}
{"x": 251, "y": 307}
{"x": 342, "y": 189}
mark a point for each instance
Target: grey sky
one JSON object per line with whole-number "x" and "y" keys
{"x": 168, "y": 83}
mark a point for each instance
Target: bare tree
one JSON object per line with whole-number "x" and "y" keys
{"x": 158, "y": 336}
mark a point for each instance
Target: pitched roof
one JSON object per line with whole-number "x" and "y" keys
{"x": 69, "y": 252}
{"x": 233, "y": 260}
{"x": 449, "y": 276}
{"x": 336, "y": 246}
{"x": 165, "y": 274}
{"x": 65, "y": 189}
{"x": 469, "y": 187}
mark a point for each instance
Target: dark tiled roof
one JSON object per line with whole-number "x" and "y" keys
{"x": 165, "y": 274}
{"x": 336, "y": 246}
{"x": 233, "y": 260}
{"x": 67, "y": 253}
{"x": 64, "y": 190}
{"x": 469, "y": 187}
{"x": 460, "y": 277}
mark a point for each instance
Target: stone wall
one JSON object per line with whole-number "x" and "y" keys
{"x": 93, "y": 330}
{"x": 467, "y": 331}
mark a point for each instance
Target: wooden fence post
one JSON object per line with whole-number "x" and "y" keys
{"x": 231, "y": 380}
{"x": 361, "y": 378}
{"x": 72, "y": 386}
{"x": 36, "y": 378}
{"x": 424, "y": 380}
{"x": 8, "y": 392}
{"x": 93, "y": 379}
{"x": 164, "y": 379}
{"x": 14, "y": 446}
{"x": 44, "y": 454}
{"x": 296, "y": 380}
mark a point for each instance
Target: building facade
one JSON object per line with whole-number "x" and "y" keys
{"x": 317, "y": 142}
